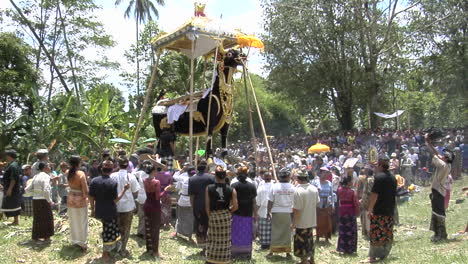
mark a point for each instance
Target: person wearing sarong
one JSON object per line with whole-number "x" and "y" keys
{"x": 77, "y": 204}
{"x": 27, "y": 196}
{"x": 63, "y": 188}
{"x": 43, "y": 220}
{"x": 242, "y": 219}
{"x": 11, "y": 205}
{"x": 103, "y": 196}
{"x": 326, "y": 206}
{"x": 280, "y": 207}
{"x": 165, "y": 179}
{"x": 364, "y": 201}
{"x": 184, "y": 223}
{"x": 196, "y": 190}
{"x": 264, "y": 223}
{"x": 443, "y": 167}
{"x": 349, "y": 209}
{"x": 381, "y": 209}
{"x": 126, "y": 205}
{"x": 220, "y": 200}
{"x": 152, "y": 208}
{"x": 306, "y": 200}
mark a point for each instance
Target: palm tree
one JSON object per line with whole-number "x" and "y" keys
{"x": 142, "y": 10}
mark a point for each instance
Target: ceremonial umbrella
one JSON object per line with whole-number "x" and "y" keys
{"x": 120, "y": 140}
{"x": 149, "y": 140}
{"x": 317, "y": 148}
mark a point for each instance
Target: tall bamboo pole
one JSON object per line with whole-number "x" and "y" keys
{"x": 145, "y": 103}
{"x": 192, "y": 62}
{"x": 249, "y": 110}
{"x": 261, "y": 122}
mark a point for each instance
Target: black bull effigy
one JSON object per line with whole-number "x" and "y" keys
{"x": 219, "y": 111}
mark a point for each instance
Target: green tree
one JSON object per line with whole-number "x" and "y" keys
{"x": 328, "y": 53}
{"x": 142, "y": 11}
{"x": 64, "y": 30}
{"x": 18, "y": 84}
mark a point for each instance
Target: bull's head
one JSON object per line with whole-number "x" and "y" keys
{"x": 232, "y": 58}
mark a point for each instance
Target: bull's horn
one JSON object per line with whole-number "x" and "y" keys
{"x": 221, "y": 49}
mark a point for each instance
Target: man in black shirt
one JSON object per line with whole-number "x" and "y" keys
{"x": 103, "y": 198}
{"x": 381, "y": 210}
{"x": 242, "y": 219}
{"x": 196, "y": 190}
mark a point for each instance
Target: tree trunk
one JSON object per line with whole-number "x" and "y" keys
{"x": 41, "y": 43}
{"x": 69, "y": 53}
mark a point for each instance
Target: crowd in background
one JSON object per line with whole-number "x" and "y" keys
{"x": 237, "y": 195}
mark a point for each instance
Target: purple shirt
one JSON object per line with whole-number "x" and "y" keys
{"x": 165, "y": 178}
{"x": 348, "y": 201}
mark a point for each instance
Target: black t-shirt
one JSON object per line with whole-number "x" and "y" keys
{"x": 246, "y": 192}
{"x": 197, "y": 187}
{"x": 12, "y": 173}
{"x": 220, "y": 196}
{"x": 104, "y": 191}
{"x": 385, "y": 186}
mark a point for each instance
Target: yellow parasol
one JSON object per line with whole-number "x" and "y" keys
{"x": 317, "y": 148}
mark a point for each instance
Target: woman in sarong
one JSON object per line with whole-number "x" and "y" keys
{"x": 242, "y": 219}
{"x": 349, "y": 208}
{"x": 43, "y": 220}
{"x": 152, "y": 209}
{"x": 77, "y": 204}
{"x": 165, "y": 179}
{"x": 326, "y": 207}
{"x": 220, "y": 201}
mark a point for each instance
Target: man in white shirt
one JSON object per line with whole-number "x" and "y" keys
{"x": 306, "y": 199}
{"x": 126, "y": 205}
{"x": 264, "y": 223}
{"x": 280, "y": 203}
{"x": 184, "y": 223}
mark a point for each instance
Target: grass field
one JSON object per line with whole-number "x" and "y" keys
{"x": 411, "y": 244}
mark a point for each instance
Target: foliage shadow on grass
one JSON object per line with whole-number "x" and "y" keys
{"x": 280, "y": 259}
{"x": 140, "y": 241}
{"x": 71, "y": 252}
{"x": 33, "y": 245}
{"x": 184, "y": 241}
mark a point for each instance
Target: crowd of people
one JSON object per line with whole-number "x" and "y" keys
{"x": 237, "y": 196}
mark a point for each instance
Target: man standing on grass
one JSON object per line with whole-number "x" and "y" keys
{"x": 126, "y": 205}
{"x": 381, "y": 210}
{"x": 196, "y": 189}
{"x": 305, "y": 203}
{"x": 11, "y": 205}
{"x": 443, "y": 167}
{"x": 103, "y": 198}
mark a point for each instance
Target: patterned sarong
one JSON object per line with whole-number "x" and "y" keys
{"x": 381, "y": 236}
{"x": 27, "y": 206}
{"x": 264, "y": 231}
{"x": 110, "y": 235}
{"x": 280, "y": 233}
{"x": 304, "y": 243}
{"x": 184, "y": 224}
{"x": 242, "y": 236}
{"x": 347, "y": 240}
{"x": 218, "y": 248}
